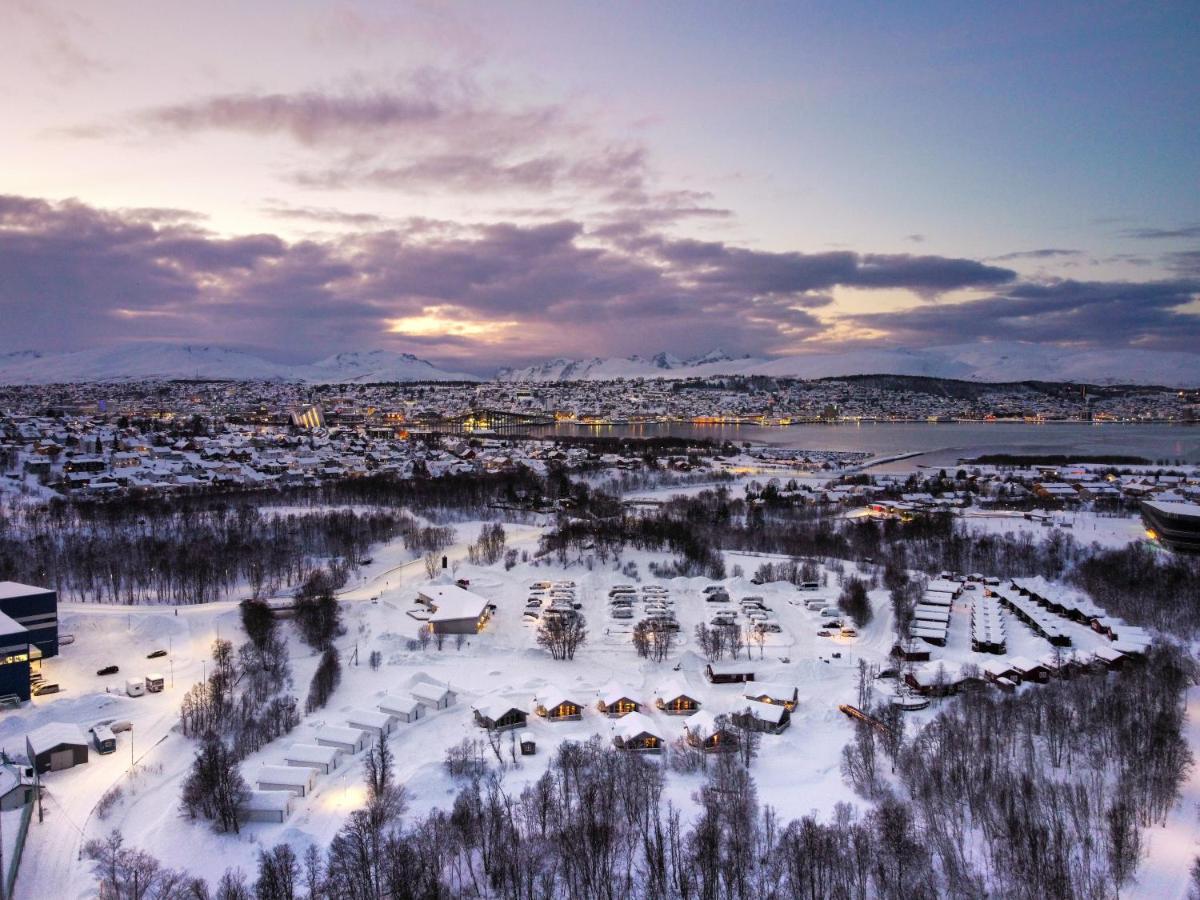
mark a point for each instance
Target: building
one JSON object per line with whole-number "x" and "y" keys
{"x": 373, "y": 722}
{"x": 37, "y": 609}
{"x": 673, "y": 699}
{"x": 1174, "y": 524}
{"x": 347, "y": 740}
{"x": 615, "y": 702}
{"x": 558, "y": 708}
{"x": 455, "y": 610}
{"x": 16, "y": 788}
{"x": 299, "y": 780}
{"x": 729, "y": 672}
{"x": 402, "y": 709}
{"x": 313, "y": 756}
{"x": 14, "y": 659}
{"x": 432, "y": 695}
{"x": 56, "y": 746}
{"x": 772, "y": 718}
{"x": 500, "y": 715}
{"x": 266, "y": 806}
{"x": 637, "y": 733}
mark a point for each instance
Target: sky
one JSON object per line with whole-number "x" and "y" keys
{"x": 496, "y": 183}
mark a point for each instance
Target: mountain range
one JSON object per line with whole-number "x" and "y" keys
{"x": 983, "y": 362}
{"x": 132, "y": 362}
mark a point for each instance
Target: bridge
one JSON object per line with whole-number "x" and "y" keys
{"x": 484, "y": 421}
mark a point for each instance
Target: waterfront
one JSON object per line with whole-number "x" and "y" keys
{"x": 938, "y": 444}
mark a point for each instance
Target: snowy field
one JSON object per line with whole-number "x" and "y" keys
{"x": 797, "y": 772}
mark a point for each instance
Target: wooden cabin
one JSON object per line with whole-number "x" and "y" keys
{"x": 528, "y": 744}
{"x": 674, "y": 700}
{"x": 729, "y": 672}
{"x": 500, "y": 715}
{"x": 773, "y": 693}
{"x": 704, "y": 732}
{"x": 637, "y": 733}
{"x": 770, "y": 718}
{"x": 559, "y": 709}
{"x": 615, "y": 702}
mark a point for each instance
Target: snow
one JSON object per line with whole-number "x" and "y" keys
{"x": 153, "y": 360}
{"x": 798, "y": 771}
{"x": 987, "y": 361}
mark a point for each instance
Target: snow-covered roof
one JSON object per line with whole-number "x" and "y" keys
{"x": 767, "y": 712}
{"x": 634, "y": 724}
{"x": 10, "y": 589}
{"x": 496, "y": 707}
{"x": 372, "y": 718}
{"x": 612, "y": 693}
{"x": 452, "y": 602}
{"x": 673, "y": 688}
{"x": 267, "y": 801}
{"x": 290, "y": 775}
{"x": 10, "y": 626}
{"x": 54, "y": 734}
{"x": 313, "y": 753}
{"x": 340, "y": 733}
{"x": 1174, "y": 507}
{"x": 397, "y": 704}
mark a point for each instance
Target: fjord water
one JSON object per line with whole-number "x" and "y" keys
{"x": 941, "y": 444}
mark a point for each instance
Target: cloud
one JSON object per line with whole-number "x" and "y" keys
{"x": 75, "y": 276}
{"x": 1163, "y": 234}
{"x": 1184, "y": 262}
{"x": 1102, "y": 314}
{"x": 1041, "y": 253}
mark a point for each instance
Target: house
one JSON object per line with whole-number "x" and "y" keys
{"x": 300, "y": 780}
{"x": 266, "y": 806}
{"x": 14, "y": 659}
{"x": 454, "y": 609}
{"x": 432, "y": 695}
{"x": 729, "y": 672}
{"x": 615, "y": 702}
{"x": 704, "y": 732}
{"x": 775, "y": 693}
{"x": 16, "y": 789}
{"x": 373, "y": 722}
{"x": 673, "y": 699}
{"x": 314, "y": 756}
{"x": 402, "y": 709}
{"x": 528, "y": 744}
{"x": 637, "y": 733}
{"x": 772, "y": 718}
{"x": 996, "y": 669}
{"x": 36, "y": 608}
{"x": 56, "y": 746}
{"x": 1030, "y": 670}
{"x": 500, "y": 715}
{"x": 348, "y": 740}
{"x": 1111, "y": 658}
{"x": 557, "y": 708}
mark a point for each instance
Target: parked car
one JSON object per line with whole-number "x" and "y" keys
{"x": 157, "y": 654}
{"x": 108, "y": 670}
{"x": 823, "y": 633}
{"x": 50, "y": 688}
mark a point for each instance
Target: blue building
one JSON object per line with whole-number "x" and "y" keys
{"x": 35, "y": 608}
{"x": 14, "y": 659}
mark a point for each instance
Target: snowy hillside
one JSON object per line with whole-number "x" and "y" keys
{"x": 378, "y": 365}
{"x": 130, "y": 362}
{"x": 999, "y": 361}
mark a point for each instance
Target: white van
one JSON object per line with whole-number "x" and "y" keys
{"x": 135, "y": 687}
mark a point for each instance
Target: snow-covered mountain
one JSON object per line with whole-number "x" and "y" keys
{"x": 369, "y": 366}
{"x": 661, "y": 365}
{"x": 130, "y": 362}
{"x": 993, "y": 362}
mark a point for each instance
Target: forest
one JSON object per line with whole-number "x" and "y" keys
{"x": 1043, "y": 794}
